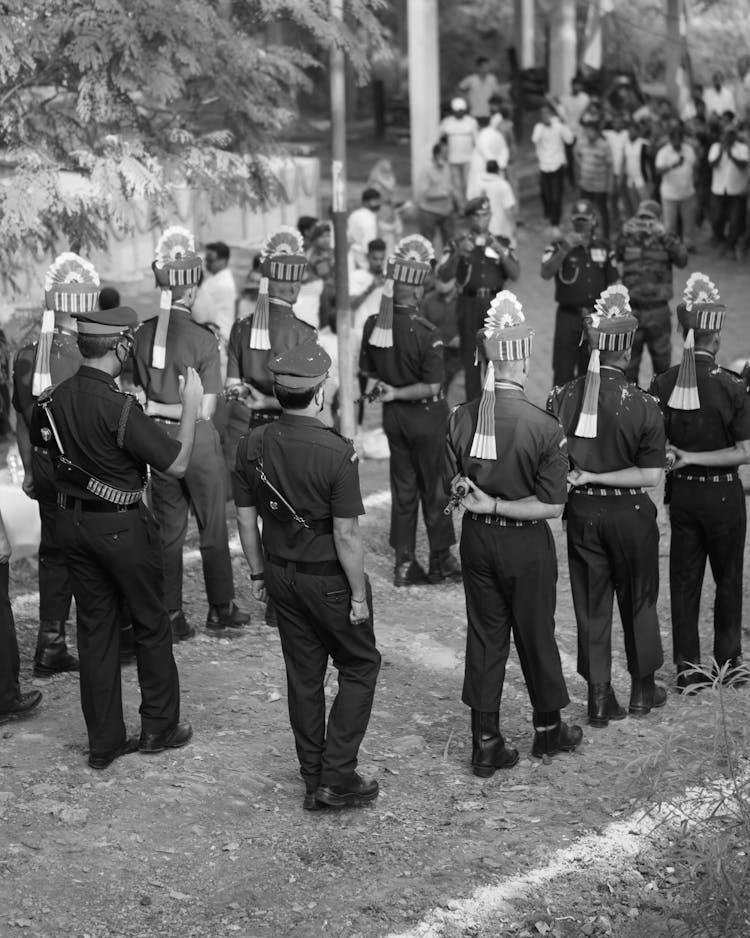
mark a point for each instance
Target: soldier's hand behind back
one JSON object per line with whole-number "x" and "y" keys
{"x": 191, "y": 389}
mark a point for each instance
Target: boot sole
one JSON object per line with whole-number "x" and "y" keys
{"x": 603, "y": 724}
{"x": 331, "y": 800}
{"x": 488, "y": 771}
{"x": 639, "y": 712}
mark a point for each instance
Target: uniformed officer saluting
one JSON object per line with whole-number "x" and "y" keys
{"x": 300, "y": 477}
{"x": 481, "y": 264}
{"x": 583, "y": 267}
{"x": 103, "y": 443}
{"x": 403, "y": 355}
{"x": 707, "y": 415}
{"x": 616, "y": 446}
{"x": 507, "y": 549}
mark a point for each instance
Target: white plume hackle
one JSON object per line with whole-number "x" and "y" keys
{"x": 70, "y": 268}
{"x": 415, "y": 248}
{"x": 505, "y": 310}
{"x": 611, "y": 304}
{"x": 699, "y": 289}
{"x": 284, "y": 240}
{"x": 175, "y": 242}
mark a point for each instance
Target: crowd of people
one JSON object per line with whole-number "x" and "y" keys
{"x": 115, "y": 474}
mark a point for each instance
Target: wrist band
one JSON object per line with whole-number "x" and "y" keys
{"x": 257, "y": 576}
{"x": 359, "y": 600}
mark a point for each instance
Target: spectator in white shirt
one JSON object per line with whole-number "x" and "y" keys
{"x": 718, "y": 97}
{"x": 498, "y": 190}
{"x": 490, "y": 145}
{"x": 216, "y": 303}
{"x": 635, "y": 168}
{"x": 362, "y": 227}
{"x": 728, "y": 159}
{"x": 437, "y": 200}
{"x": 549, "y": 137}
{"x": 617, "y": 137}
{"x": 460, "y": 130}
{"x": 675, "y": 167}
{"x": 479, "y": 88}
{"x": 365, "y": 291}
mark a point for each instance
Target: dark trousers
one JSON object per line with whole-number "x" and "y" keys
{"x": 551, "y": 187}
{"x": 613, "y": 548}
{"x": 9, "y": 662}
{"x": 114, "y": 557}
{"x": 312, "y": 613}
{"x": 601, "y": 204}
{"x": 416, "y": 437}
{"x": 55, "y": 592}
{"x": 431, "y": 222}
{"x": 510, "y": 581}
{"x": 728, "y": 218}
{"x": 655, "y": 331}
{"x": 470, "y": 312}
{"x": 708, "y": 521}
{"x": 204, "y": 488}
{"x": 570, "y": 357}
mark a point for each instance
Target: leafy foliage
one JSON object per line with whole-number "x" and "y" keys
{"x": 133, "y": 96}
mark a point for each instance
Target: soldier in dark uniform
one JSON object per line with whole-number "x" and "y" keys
{"x": 707, "y": 415}
{"x": 507, "y": 550}
{"x": 311, "y": 563}
{"x": 103, "y": 443}
{"x": 481, "y": 264}
{"x": 583, "y": 266}
{"x": 71, "y": 285}
{"x": 402, "y": 354}
{"x": 616, "y": 447}
{"x": 647, "y": 254}
{"x": 164, "y": 348}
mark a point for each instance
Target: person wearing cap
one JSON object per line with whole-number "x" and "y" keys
{"x": 103, "y": 444}
{"x": 15, "y": 704}
{"x": 362, "y": 227}
{"x": 301, "y": 479}
{"x": 707, "y": 414}
{"x": 402, "y": 355}
{"x": 460, "y": 130}
{"x": 582, "y": 267}
{"x": 165, "y": 347}
{"x": 439, "y": 307}
{"x": 481, "y": 264}
{"x": 647, "y": 253}
{"x": 510, "y": 457}
{"x": 71, "y": 285}
{"x": 616, "y": 449}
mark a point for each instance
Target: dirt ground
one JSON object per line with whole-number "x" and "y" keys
{"x": 211, "y": 840}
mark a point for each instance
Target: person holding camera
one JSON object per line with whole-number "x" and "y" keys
{"x": 509, "y": 459}
{"x": 728, "y": 158}
{"x": 675, "y": 166}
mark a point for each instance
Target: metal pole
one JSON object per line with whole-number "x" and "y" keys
{"x": 673, "y": 49}
{"x": 338, "y": 179}
{"x": 424, "y": 82}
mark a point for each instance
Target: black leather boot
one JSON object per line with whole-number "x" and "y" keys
{"x": 603, "y": 705}
{"x": 488, "y": 752}
{"x": 690, "y": 680}
{"x": 52, "y": 655}
{"x": 407, "y": 571}
{"x": 645, "y": 695}
{"x": 444, "y": 568}
{"x": 552, "y": 736}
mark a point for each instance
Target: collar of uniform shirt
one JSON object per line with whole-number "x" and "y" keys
{"x": 181, "y": 308}
{"x": 509, "y": 385}
{"x": 279, "y": 302}
{"x": 61, "y": 330}
{"x": 620, "y": 371}
{"x": 704, "y": 352}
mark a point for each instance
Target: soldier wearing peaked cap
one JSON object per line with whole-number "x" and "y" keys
{"x": 402, "y": 355}
{"x": 509, "y": 457}
{"x": 707, "y": 415}
{"x": 582, "y": 267}
{"x": 616, "y": 447}
{"x": 101, "y": 444}
{"x": 71, "y": 286}
{"x": 300, "y": 477}
{"x": 481, "y": 264}
{"x": 165, "y": 348}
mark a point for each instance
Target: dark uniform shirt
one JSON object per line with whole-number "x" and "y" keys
{"x": 481, "y": 269}
{"x": 188, "y": 344}
{"x": 647, "y": 258}
{"x": 416, "y": 355}
{"x": 532, "y": 453}
{"x": 441, "y": 312}
{"x": 724, "y": 415}
{"x": 315, "y": 470}
{"x": 88, "y": 409}
{"x": 285, "y": 331}
{"x": 64, "y": 362}
{"x": 630, "y": 425}
{"x": 584, "y": 271}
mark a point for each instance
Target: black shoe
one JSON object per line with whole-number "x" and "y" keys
{"x": 181, "y": 631}
{"x": 224, "y": 617}
{"x": 175, "y": 738}
{"x": 603, "y": 705}
{"x": 444, "y": 568}
{"x": 489, "y": 752}
{"x": 49, "y": 665}
{"x": 358, "y": 792}
{"x": 409, "y": 573}
{"x": 645, "y": 696}
{"x": 690, "y": 680}
{"x": 102, "y": 760}
{"x": 22, "y": 707}
{"x": 550, "y": 740}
